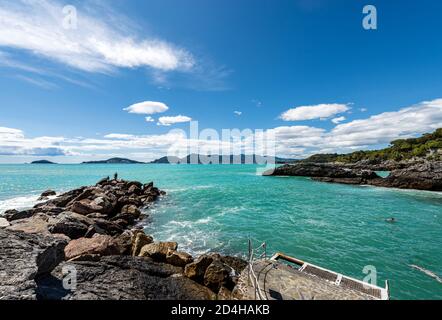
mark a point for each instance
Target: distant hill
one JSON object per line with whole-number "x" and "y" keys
{"x": 230, "y": 159}
{"x": 428, "y": 147}
{"x": 114, "y": 161}
{"x": 42, "y": 162}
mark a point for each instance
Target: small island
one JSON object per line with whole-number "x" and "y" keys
{"x": 114, "y": 161}
{"x": 42, "y": 162}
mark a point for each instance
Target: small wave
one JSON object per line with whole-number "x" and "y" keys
{"x": 19, "y": 203}
{"x": 189, "y": 188}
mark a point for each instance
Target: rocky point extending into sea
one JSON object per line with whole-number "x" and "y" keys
{"x": 421, "y": 176}
{"x": 95, "y": 231}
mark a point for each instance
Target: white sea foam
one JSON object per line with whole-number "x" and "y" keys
{"x": 20, "y": 203}
{"x": 172, "y": 190}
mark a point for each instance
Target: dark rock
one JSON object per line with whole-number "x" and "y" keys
{"x": 109, "y": 227}
{"x": 123, "y": 278}
{"x": 134, "y": 189}
{"x": 71, "y": 224}
{"x": 235, "y": 263}
{"x": 217, "y": 275}
{"x": 103, "y": 181}
{"x": 131, "y": 210}
{"x": 48, "y": 193}
{"x": 423, "y": 176}
{"x": 323, "y": 170}
{"x": 197, "y": 269}
{"x": 12, "y": 215}
{"x": 124, "y": 243}
{"x": 64, "y": 199}
{"x": 25, "y": 257}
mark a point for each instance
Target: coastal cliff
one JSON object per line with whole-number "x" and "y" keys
{"x": 420, "y": 176}
{"x": 95, "y": 232}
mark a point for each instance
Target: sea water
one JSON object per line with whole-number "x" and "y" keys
{"x": 219, "y": 207}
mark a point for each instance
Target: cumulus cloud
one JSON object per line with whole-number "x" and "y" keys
{"x": 338, "y": 120}
{"x": 149, "y": 119}
{"x": 320, "y": 111}
{"x": 167, "y": 121}
{"x": 96, "y": 45}
{"x": 147, "y": 107}
{"x": 238, "y": 113}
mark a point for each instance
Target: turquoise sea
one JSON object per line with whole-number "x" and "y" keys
{"x": 219, "y": 207}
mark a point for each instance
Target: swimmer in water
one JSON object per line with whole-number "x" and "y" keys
{"x": 391, "y": 220}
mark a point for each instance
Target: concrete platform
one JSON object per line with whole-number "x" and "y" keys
{"x": 278, "y": 281}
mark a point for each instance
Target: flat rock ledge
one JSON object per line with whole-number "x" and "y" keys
{"x": 420, "y": 176}
{"x": 85, "y": 244}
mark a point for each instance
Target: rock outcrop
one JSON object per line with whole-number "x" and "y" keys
{"x": 122, "y": 278}
{"x": 421, "y": 176}
{"x": 23, "y": 258}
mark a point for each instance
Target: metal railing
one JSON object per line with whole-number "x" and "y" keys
{"x": 259, "y": 253}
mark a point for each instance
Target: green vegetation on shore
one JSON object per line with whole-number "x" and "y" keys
{"x": 428, "y": 146}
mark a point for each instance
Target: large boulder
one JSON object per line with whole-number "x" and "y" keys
{"x": 12, "y": 215}
{"x": 124, "y": 242}
{"x": 237, "y": 264}
{"x": 158, "y": 251}
{"x": 85, "y": 207}
{"x": 25, "y": 257}
{"x": 139, "y": 240}
{"x": 64, "y": 199}
{"x": 179, "y": 259}
{"x": 197, "y": 269}
{"x": 101, "y": 204}
{"x": 123, "y": 278}
{"x": 217, "y": 275}
{"x": 102, "y": 245}
{"x": 46, "y": 194}
{"x": 131, "y": 210}
{"x": 37, "y": 224}
{"x": 71, "y": 224}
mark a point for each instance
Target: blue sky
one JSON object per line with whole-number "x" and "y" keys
{"x": 307, "y": 71}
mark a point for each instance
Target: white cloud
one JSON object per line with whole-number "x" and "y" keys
{"x": 385, "y": 127}
{"x": 147, "y": 107}
{"x": 167, "y": 121}
{"x": 149, "y": 119}
{"x": 363, "y": 109}
{"x": 97, "y": 45}
{"x": 238, "y": 113}
{"x": 290, "y": 141}
{"x": 338, "y": 120}
{"x": 119, "y": 136}
{"x": 320, "y": 111}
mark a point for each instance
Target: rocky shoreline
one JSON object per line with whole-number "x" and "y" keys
{"x": 419, "y": 176}
{"x": 86, "y": 244}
